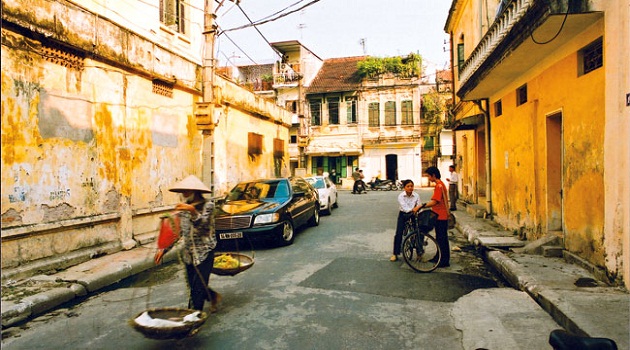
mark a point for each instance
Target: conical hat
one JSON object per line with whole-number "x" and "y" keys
{"x": 191, "y": 183}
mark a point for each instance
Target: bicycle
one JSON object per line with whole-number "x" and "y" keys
{"x": 419, "y": 249}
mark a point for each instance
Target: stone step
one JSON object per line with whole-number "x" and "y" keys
{"x": 476, "y": 210}
{"x": 552, "y": 251}
{"x": 499, "y": 242}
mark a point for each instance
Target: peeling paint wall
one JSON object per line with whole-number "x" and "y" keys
{"x": 242, "y": 112}
{"x": 88, "y": 146}
{"x": 519, "y": 143}
{"x": 588, "y": 116}
{"x": 521, "y": 150}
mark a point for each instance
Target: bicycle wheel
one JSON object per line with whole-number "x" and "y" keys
{"x": 421, "y": 252}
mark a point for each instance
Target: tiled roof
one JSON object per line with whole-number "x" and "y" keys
{"x": 444, "y": 75}
{"x": 337, "y": 74}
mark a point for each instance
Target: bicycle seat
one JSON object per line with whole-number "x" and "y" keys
{"x": 560, "y": 339}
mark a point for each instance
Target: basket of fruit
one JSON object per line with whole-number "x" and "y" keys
{"x": 230, "y": 264}
{"x": 168, "y": 323}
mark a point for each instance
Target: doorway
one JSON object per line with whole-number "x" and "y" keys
{"x": 391, "y": 167}
{"x": 554, "y": 172}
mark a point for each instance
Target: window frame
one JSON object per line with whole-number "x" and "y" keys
{"x": 173, "y": 15}
{"x": 254, "y": 144}
{"x": 428, "y": 143}
{"x": 460, "y": 58}
{"x": 316, "y": 113}
{"x": 351, "y": 109}
{"x": 521, "y": 95}
{"x": 332, "y": 104}
{"x": 591, "y": 57}
{"x": 406, "y": 111}
{"x": 390, "y": 113}
{"x": 498, "y": 108}
{"x": 374, "y": 114}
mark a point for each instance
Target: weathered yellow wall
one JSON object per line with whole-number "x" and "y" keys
{"x": 596, "y": 121}
{"x": 513, "y": 168}
{"x": 242, "y": 112}
{"x": 83, "y": 151}
{"x": 468, "y": 21}
{"x": 519, "y": 149}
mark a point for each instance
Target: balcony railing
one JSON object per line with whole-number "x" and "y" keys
{"x": 288, "y": 74}
{"x": 496, "y": 33}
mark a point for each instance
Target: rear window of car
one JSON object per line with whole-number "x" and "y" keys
{"x": 259, "y": 190}
{"x": 316, "y": 182}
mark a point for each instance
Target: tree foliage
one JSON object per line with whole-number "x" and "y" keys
{"x": 404, "y": 67}
{"x": 432, "y": 106}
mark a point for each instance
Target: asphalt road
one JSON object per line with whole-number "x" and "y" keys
{"x": 334, "y": 288}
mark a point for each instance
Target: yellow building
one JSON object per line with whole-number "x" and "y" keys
{"x": 101, "y": 113}
{"x": 542, "y": 121}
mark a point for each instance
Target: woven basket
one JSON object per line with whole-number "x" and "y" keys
{"x": 245, "y": 262}
{"x": 176, "y": 332}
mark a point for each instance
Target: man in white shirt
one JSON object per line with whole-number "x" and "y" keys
{"x": 453, "y": 194}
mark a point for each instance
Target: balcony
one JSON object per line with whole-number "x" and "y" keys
{"x": 288, "y": 75}
{"x": 512, "y": 44}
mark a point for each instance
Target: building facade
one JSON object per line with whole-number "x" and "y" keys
{"x": 367, "y": 122}
{"x": 541, "y": 121}
{"x": 102, "y": 110}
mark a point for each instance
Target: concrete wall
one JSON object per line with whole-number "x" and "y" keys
{"x": 90, "y": 148}
{"x": 521, "y": 151}
{"x": 241, "y": 113}
{"x": 83, "y": 151}
{"x": 592, "y": 214}
{"x": 616, "y": 141}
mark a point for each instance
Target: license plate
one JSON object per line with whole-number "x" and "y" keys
{"x": 231, "y": 235}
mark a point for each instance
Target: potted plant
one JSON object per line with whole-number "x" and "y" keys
{"x": 267, "y": 81}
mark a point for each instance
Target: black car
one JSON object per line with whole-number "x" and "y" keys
{"x": 267, "y": 208}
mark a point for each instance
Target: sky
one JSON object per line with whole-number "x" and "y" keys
{"x": 335, "y": 28}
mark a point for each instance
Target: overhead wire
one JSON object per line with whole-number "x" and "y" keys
{"x": 557, "y": 33}
{"x": 252, "y": 24}
{"x": 278, "y": 14}
{"x": 240, "y": 49}
{"x": 280, "y": 11}
{"x": 259, "y": 32}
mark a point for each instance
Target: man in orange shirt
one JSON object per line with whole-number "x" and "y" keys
{"x": 438, "y": 204}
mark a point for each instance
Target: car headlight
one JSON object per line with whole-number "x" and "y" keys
{"x": 266, "y": 218}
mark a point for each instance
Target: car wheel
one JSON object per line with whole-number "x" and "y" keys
{"x": 287, "y": 234}
{"x": 327, "y": 211}
{"x": 314, "y": 221}
{"x": 336, "y": 204}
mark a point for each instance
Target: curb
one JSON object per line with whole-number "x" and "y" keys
{"x": 516, "y": 275}
{"x": 78, "y": 281}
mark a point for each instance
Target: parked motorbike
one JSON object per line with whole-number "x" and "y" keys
{"x": 381, "y": 185}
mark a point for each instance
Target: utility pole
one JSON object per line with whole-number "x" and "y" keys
{"x": 209, "y": 32}
{"x": 204, "y": 111}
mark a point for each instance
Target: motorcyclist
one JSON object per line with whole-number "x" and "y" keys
{"x": 357, "y": 176}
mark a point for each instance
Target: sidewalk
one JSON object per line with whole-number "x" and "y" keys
{"x": 568, "y": 291}
{"x": 565, "y": 287}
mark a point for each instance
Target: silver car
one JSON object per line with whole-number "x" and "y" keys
{"x": 327, "y": 192}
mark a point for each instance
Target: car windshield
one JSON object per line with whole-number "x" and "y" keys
{"x": 259, "y": 190}
{"x": 317, "y": 182}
